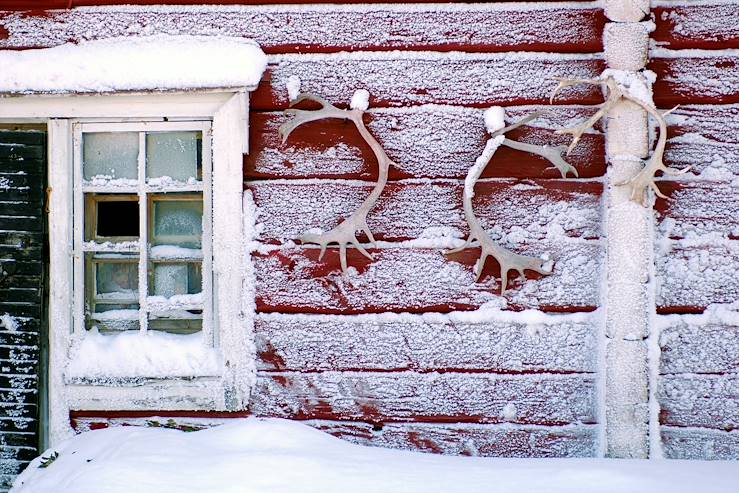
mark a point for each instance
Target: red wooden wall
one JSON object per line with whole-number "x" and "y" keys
{"x": 422, "y": 375}
{"x": 697, "y": 252}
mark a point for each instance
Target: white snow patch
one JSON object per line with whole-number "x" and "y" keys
{"x": 157, "y": 63}
{"x": 293, "y": 87}
{"x": 8, "y": 322}
{"x": 134, "y": 354}
{"x": 273, "y": 455}
{"x": 360, "y": 100}
{"x": 494, "y": 118}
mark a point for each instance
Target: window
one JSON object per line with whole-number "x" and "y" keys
{"x": 142, "y": 234}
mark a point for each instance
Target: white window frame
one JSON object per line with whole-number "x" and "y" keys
{"x": 142, "y": 190}
{"x": 227, "y": 112}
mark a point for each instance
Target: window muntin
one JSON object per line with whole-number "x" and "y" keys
{"x": 142, "y": 244}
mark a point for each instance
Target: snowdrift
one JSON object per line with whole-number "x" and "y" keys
{"x": 279, "y": 456}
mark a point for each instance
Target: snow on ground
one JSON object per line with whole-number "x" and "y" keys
{"x": 134, "y": 64}
{"x": 279, "y": 456}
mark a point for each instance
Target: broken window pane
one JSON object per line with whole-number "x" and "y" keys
{"x": 177, "y": 279}
{"x": 178, "y": 222}
{"x": 111, "y": 217}
{"x": 173, "y": 154}
{"x": 110, "y": 154}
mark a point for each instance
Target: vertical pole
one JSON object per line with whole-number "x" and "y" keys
{"x": 629, "y": 302}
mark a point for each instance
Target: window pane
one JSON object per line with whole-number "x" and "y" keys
{"x": 176, "y": 279}
{"x": 112, "y": 154}
{"x": 112, "y": 216}
{"x": 173, "y": 154}
{"x": 114, "y": 317}
{"x": 116, "y": 280}
{"x": 178, "y": 222}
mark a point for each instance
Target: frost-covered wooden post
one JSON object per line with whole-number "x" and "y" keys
{"x": 629, "y": 258}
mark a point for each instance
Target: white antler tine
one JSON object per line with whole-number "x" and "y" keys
{"x": 342, "y": 257}
{"x": 480, "y": 265}
{"x": 552, "y": 154}
{"x": 362, "y": 250}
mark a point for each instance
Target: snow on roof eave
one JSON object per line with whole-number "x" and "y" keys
{"x": 129, "y": 65}
{"x": 135, "y": 92}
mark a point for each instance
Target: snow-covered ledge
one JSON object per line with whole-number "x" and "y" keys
{"x": 188, "y": 80}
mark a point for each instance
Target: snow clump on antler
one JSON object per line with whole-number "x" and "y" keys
{"x": 627, "y": 86}
{"x": 508, "y": 260}
{"x": 346, "y": 232}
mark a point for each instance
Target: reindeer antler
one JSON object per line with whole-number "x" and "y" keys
{"x": 645, "y": 179}
{"x": 507, "y": 259}
{"x": 345, "y": 232}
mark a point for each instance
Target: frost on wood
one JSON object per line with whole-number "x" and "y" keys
{"x": 421, "y": 280}
{"x": 156, "y": 63}
{"x": 629, "y": 87}
{"x": 525, "y": 341}
{"x": 430, "y": 141}
{"x": 345, "y": 232}
{"x": 507, "y": 259}
{"x": 395, "y": 396}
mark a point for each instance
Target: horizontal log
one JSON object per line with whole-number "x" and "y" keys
{"x": 13, "y": 424}
{"x": 692, "y": 276}
{"x": 405, "y": 211}
{"x": 320, "y": 343}
{"x": 710, "y": 348}
{"x": 396, "y": 79}
{"x": 710, "y": 401}
{"x": 698, "y": 208}
{"x": 699, "y": 444}
{"x": 688, "y": 26}
{"x": 425, "y": 141}
{"x": 331, "y": 28}
{"x": 705, "y": 78}
{"x": 706, "y": 138}
{"x": 421, "y": 280}
{"x": 446, "y": 397}
{"x": 477, "y": 440}
{"x": 18, "y": 439}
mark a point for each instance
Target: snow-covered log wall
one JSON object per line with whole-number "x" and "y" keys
{"x": 406, "y": 350}
{"x": 696, "y": 247}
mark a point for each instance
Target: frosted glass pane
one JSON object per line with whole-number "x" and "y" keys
{"x": 117, "y": 280}
{"x": 172, "y": 154}
{"x": 178, "y": 222}
{"x": 113, "y": 154}
{"x": 173, "y": 279}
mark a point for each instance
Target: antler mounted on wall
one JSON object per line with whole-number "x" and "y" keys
{"x": 346, "y": 232}
{"x": 507, "y": 259}
{"x": 645, "y": 179}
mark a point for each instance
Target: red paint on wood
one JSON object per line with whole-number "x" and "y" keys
{"x": 270, "y": 158}
{"x": 65, "y": 4}
{"x": 694, "y": 80}
{"x": 710, "y": 27}
{"x": 449, "y": 81}
{"x": 4, "y": 33}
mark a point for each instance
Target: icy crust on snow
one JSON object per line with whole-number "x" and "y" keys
{"x": 705, "y": 137}
{"x": 706, "y": 343}
{"x": 98, "y": 358}
{"x": 710, "y": 21}
{"x": 432, "y": 77}
{"x": 400, "y": 279}
{"x": 701, "y": 209}
{"x": 697, "y": 272}
{"x": 360, "y": 26}
{"x": 699, "y": 73}
{"x": 400, "y": 396}
{"x": 528, "y": 341}
{"x": 422, "y": 141}
{"x": 431, "y": 209}
{"x": 158, "y": 63}
{"x": 284, "y": 456}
